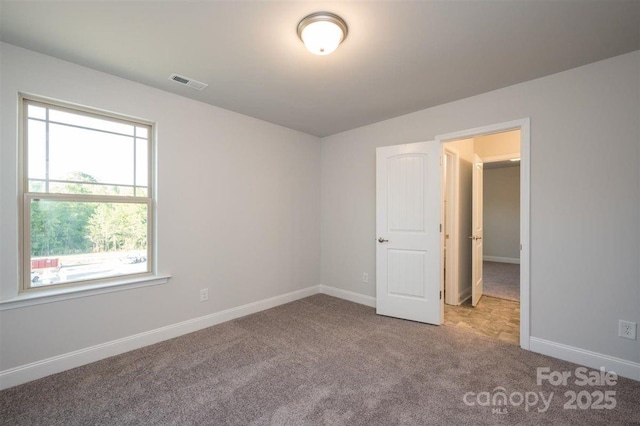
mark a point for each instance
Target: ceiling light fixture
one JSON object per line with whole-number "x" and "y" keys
{"x": 514, "y": 159}
{"x": 322, "y": 32}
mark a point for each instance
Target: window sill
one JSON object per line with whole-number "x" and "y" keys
{"x": 59, "y": 294}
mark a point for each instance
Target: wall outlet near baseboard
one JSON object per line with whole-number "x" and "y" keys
{"x": 204, "y": 294}
{"x": 627, "y": 329}
{"x": 365, "y": 277}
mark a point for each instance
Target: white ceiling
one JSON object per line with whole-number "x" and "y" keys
{"x": 399, "y": 57}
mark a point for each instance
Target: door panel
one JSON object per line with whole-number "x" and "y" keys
{"x": 406, "y": 273}
{"x": 407, "y": 223}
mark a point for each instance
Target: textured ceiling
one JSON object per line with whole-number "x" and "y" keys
{"x": 399, "y": 57}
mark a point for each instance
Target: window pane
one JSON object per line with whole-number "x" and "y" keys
{"x": 142, "y": 132}
{"x": 142, "y": 169}
{"x": 37, "y": 186}
{"x": 36, "y": 112}
{"x": 81, "y": 155}
{"x": 91, "y": 122}
{"x": 37, "y": 149}
{"x": 79, "y": 241}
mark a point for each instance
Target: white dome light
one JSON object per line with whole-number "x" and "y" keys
{"x": 322, "y": 32}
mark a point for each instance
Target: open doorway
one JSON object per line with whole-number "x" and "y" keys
{"x": 410, "y": 249}
{"x": 481, "y": 243}
{"x": 501, "y": 260}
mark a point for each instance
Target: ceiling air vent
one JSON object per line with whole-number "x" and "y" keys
{"x": 194, "y": 84}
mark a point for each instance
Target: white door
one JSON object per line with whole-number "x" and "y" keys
{"x": 476, "y": 227}
{"x": 408, "y": 232}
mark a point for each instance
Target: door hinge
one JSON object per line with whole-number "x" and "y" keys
{"x": 440, "y": 294}
{"x": 440, "y": 227}
{"x": 441, "y": 160}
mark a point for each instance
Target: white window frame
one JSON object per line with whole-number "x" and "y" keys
{"x": 130, "y": 280}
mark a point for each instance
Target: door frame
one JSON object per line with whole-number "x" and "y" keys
{"x": 524, "y": 125}
{"x": 452, "y": 284}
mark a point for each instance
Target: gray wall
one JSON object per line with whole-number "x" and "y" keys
{"x": 501, "y": 211}
{"x": 585, "y": 203}
{"x": 238, "y": 211}
{"x": 465, "y": 228}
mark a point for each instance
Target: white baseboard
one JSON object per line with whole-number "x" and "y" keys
{"x": 348, "y": 295}
{"x": 621, "y": 367}
{"x": 584, "y": 357}
{"x": 36, "y": 370}
{"x": 465, "y": 295}
{"x": 501, "y": 259}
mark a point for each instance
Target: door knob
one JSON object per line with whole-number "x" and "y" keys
{"x": 382, "y": 240}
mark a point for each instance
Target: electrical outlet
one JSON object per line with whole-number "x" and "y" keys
{"x": 365, "y": 277}
{"x": 204, "y": 294}
{"x": 627, "y": 329}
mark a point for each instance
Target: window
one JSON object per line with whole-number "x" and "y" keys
{"x": 87, "y": 199}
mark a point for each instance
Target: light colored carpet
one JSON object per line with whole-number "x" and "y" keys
{"x": 319, "y": 360}
{"x": 501, "y": 280}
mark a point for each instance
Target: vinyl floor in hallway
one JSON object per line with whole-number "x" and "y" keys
{"x": 492, "y": 317}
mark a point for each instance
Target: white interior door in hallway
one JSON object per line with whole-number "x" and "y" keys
{"x": 476, "y": 227}
{"x": 408, "y": 230}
